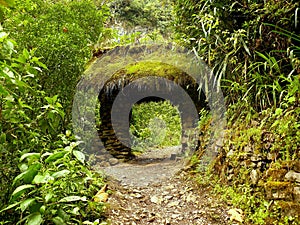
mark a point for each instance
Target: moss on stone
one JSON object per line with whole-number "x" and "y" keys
{"x": 278, "y": 185}
{"x": 149, "y": 68}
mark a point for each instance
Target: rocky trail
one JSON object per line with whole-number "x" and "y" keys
{"x": 156, "y": 189}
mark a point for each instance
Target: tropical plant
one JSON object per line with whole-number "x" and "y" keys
{"x": 55, "y": 186}
{"x": 62, "y": 34}
{"x": 241, "y": 47}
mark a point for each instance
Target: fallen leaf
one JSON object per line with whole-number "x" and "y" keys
{"x": 102, "y": 197}
{"x": 236, "y": 214}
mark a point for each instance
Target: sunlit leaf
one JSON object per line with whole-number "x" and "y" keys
{"x": 30, "y": 155}
{"x": 61, "y": 173}
{"x": 22, "y": 188}
{"x": 79, "y": 155}
{"x": 73, "y": 199}
{"x": 34, "y": 219}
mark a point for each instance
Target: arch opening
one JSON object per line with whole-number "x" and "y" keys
{"x": 154, "y": 124}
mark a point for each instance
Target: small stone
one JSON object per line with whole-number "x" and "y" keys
{"x": 296, "y": 193}
{"x": 173, "y": 156}
{"x": 175, "y": 203}
{"x": 100, "y": 158}
{"x": 168, "y": 197}
{"x": 104, "y": 164}
{"x": 292, "y": 176}
{"x": 138, "y": 196}
{"x": 254, "y": 175}
{"x": 174, "y": 216}
{"x": 113, "y": 161}
{"x": 155, "y": 199}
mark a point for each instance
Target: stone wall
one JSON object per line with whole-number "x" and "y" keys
{"x": 277, "y": 180}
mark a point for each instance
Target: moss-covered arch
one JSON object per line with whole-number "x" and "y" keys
{"x": 130, "y": 74}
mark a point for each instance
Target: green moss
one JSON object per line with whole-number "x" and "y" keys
{"x": 274, "y": 174}
{"x": 150, "y": 68}
{"x": 277, "y": 185}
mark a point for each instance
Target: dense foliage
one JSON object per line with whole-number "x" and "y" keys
{"x": 149, "y": 15}
{"x": 253, "y": 48}
{"x": 62, "y": 35}
{"x": 45, "y": 179}
{"x": 155, "y": 125}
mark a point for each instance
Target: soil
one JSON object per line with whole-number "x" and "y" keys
{"x": 157, "y": 189}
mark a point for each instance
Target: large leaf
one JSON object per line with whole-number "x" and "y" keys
{"x": 48, "y": 196}
{"x": 73, "y": 199}
{"x": 24, "y": 205}
{"x": 58, "y": 221}
{"x": 28, "y": 174}
{"x": 34, "y": 219}
{"x": 30, "y": 155}
{"x": 42, "y": 179}
{"x": 79, "y": 155}
{"x": 21, "y": 189}
{"x": 61, "y": 173}
{"x": 31, "y": 172}
{"x": 10, "y": 206}
{"x": 55, "y": 156}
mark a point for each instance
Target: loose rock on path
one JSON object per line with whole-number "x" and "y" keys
{"x": 160, "y": 193}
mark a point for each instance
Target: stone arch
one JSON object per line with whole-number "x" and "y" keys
{"x": 103, "y": 71}
{"x": 114, "y": 142}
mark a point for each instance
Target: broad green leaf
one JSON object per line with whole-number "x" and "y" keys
{"x": 10, "y": 206}
{"x": 61, "y": 173}
{"x": 26, "y": 53}
{"x": 79, "y": 155}
{"x": 55, "y": 156}
{"x": 48, "y": 197}
{"x": 58, "y": 221}
{"x": 31, "y": 172}
{"x": 21, "y": 188}
{"x": 62, "y": 214}
{"x": 42, "y": 179}
{"x": 28, "y": 175}
{"x": 30, "y": 155}
{"x": 34, "y": 219}
{"x": 24, "y": 205}
{"x": 73, "y": 199}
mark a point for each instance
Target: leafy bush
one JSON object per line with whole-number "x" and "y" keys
{"x": 253, "y": 57}
{"x": 55, "y": 187}
{"x": 62, "y": 34}
{"x": 20, "y": 103}
{"x": 31, "y": 127}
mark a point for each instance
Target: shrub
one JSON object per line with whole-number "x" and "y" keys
{"x": 62, "y": 34}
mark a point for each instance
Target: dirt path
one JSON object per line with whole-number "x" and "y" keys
{"x": 154, "y": 189}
